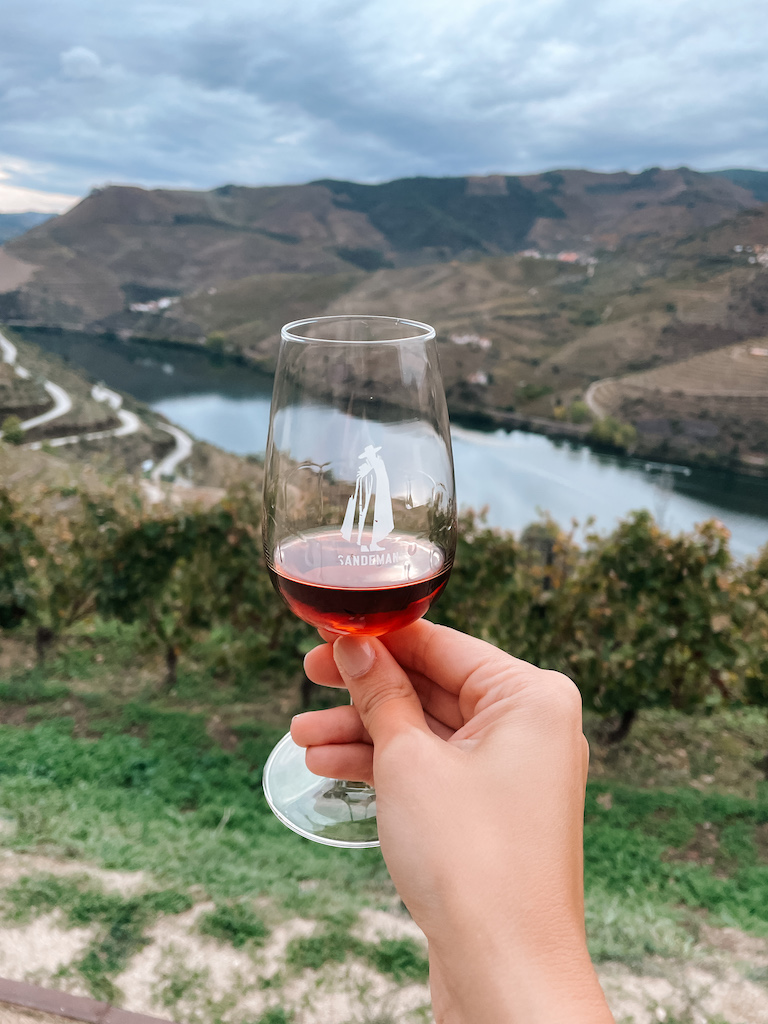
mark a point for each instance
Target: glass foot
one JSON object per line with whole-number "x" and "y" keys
{"x": 327, "y": 811}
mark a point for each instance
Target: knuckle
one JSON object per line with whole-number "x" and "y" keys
{"x": 563, "y": 696}
{"x": 372, "y": 699}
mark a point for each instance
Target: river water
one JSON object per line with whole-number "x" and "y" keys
{"x": 514, "y": 475}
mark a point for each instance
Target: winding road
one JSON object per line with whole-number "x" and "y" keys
{"x": 129, "y": 421}
{"x": 590, "y": 397}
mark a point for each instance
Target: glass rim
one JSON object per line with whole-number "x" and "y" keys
{"x": 426, "y": 331}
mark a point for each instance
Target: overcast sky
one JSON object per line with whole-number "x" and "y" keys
{"x": 181, "y": 93}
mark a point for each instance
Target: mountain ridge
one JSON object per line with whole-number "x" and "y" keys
{"x": 124, "y": 243}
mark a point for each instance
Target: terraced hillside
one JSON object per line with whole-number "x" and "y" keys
{"x": 123, "y": 248}
{"x": 714, "y": 404}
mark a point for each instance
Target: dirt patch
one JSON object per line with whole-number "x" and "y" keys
{"x": 14, "y": 272}
{"x": 34, "y": 952}
{"x": 353, "y": 992}
{"x": 15, "y": 1015}
{"x": 374, "y": 925}
{"x": 735, "y": 942}
{"x": 187, "y": 976}
{"x": 716, "y": 989}
{"x": 15, "y": 653}
{"x": 14, "y": 866}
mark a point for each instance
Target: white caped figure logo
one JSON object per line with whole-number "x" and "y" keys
{"x": 371, "y": 479}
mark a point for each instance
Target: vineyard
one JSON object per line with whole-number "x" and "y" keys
{"x": 147, "y": 668}
{"x": 740, "y": 371}
{"x": 640, "y": 619}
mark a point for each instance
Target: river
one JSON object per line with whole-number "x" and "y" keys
{"x": 514, "y": 475}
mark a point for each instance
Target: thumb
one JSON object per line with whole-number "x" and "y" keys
{"x": 381, "y": 691}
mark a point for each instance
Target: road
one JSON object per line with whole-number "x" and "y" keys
{"x": 590, "y": 397}
{"x": 182, "y": 451}
{"x": 129, "y": 421}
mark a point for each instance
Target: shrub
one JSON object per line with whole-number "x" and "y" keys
{"x": 11, "y": 430}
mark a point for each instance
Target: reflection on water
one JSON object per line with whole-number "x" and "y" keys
{"x": 515, "y": 475}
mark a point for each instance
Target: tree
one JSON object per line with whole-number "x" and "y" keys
{"x": 650, "y": 620}
{"x": 182, "y": 572}
{"x": 613, "y": 434}
{"x": 11, "y": 430}
{"x": 20, "y": 551}
{"x": 67, "y": 578}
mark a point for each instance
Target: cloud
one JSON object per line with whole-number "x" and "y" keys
{"x": 180, "y": 93}
{"x": 17, "y": 199}
{"x": 80, "y": 62}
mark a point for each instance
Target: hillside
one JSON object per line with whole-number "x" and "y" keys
{"x": 124, "y": 247}
{"x": 620, "y": 274}
{"x": 71, "y": 425}
{"x": 14, "y": 224}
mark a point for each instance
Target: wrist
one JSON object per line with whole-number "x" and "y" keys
{"x": 487, "y": 977}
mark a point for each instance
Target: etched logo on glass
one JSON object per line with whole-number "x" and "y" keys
{"x": 372, "y": 481}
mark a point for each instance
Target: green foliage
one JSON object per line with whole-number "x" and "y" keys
{"x": 311, "y": 952}
{"x": 530, "y": 392}
{"x": 649, "y": 618}
{"x": 613, "y": 434}
{"x": 587, "y": 318}
{"x": 750, "y": 595}
{"x": 505, "y": 590}
{"x": 184, "y": 572}
{"x": 33, "y": 895}
{"x": 11, "y": 430}
{"x": 404, "y": 959}
{"x": 216, "y": 342}
{"x": 236, "y": 923}
{"x": 579, "y": 412}
{"x": 19, "y": 553}
{"x": 641, "y": 618}
{"x": 442, "y": 213}
{"x": 275, "y": 1015}
{"x": 649, "y": 845}
{"x": 631, "y": 927}
{"x": 121, "y": 922}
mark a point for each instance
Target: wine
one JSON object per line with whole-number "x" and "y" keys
{"x": 363, "y": 588}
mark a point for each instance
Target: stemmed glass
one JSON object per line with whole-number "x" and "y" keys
{"x": 359, "y": 515}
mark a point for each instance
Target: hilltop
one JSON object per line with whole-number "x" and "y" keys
{"x": 547, "y": 291}
{"x": 125, "y": 247}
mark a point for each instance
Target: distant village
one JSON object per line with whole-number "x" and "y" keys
{"x": 756, "y": 253}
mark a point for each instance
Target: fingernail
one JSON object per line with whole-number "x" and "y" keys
{"x": 353, "y": 655}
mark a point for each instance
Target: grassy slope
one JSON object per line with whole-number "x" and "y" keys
{"x": 96, "y": 765}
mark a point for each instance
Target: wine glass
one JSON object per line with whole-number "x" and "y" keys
{"x": 359, "y": 515}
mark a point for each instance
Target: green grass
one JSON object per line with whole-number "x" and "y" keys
{"x": 403, "y": 959}
{"x": 120, "y": 922}
{"x": 130, "y": 780}
{"x": 168, "y": 800}
{"x": 236, "y": 923}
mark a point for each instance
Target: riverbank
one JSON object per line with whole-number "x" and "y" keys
{"x": 223, "y": 369}
{"x": 642, "y": 448}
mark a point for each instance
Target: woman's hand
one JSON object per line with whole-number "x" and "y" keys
{"x": 480, "y": 765}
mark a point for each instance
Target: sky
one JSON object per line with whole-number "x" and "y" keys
{"x": 191, "y": 94}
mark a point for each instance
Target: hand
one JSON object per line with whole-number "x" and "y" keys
{"x": 480, "y": 765}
